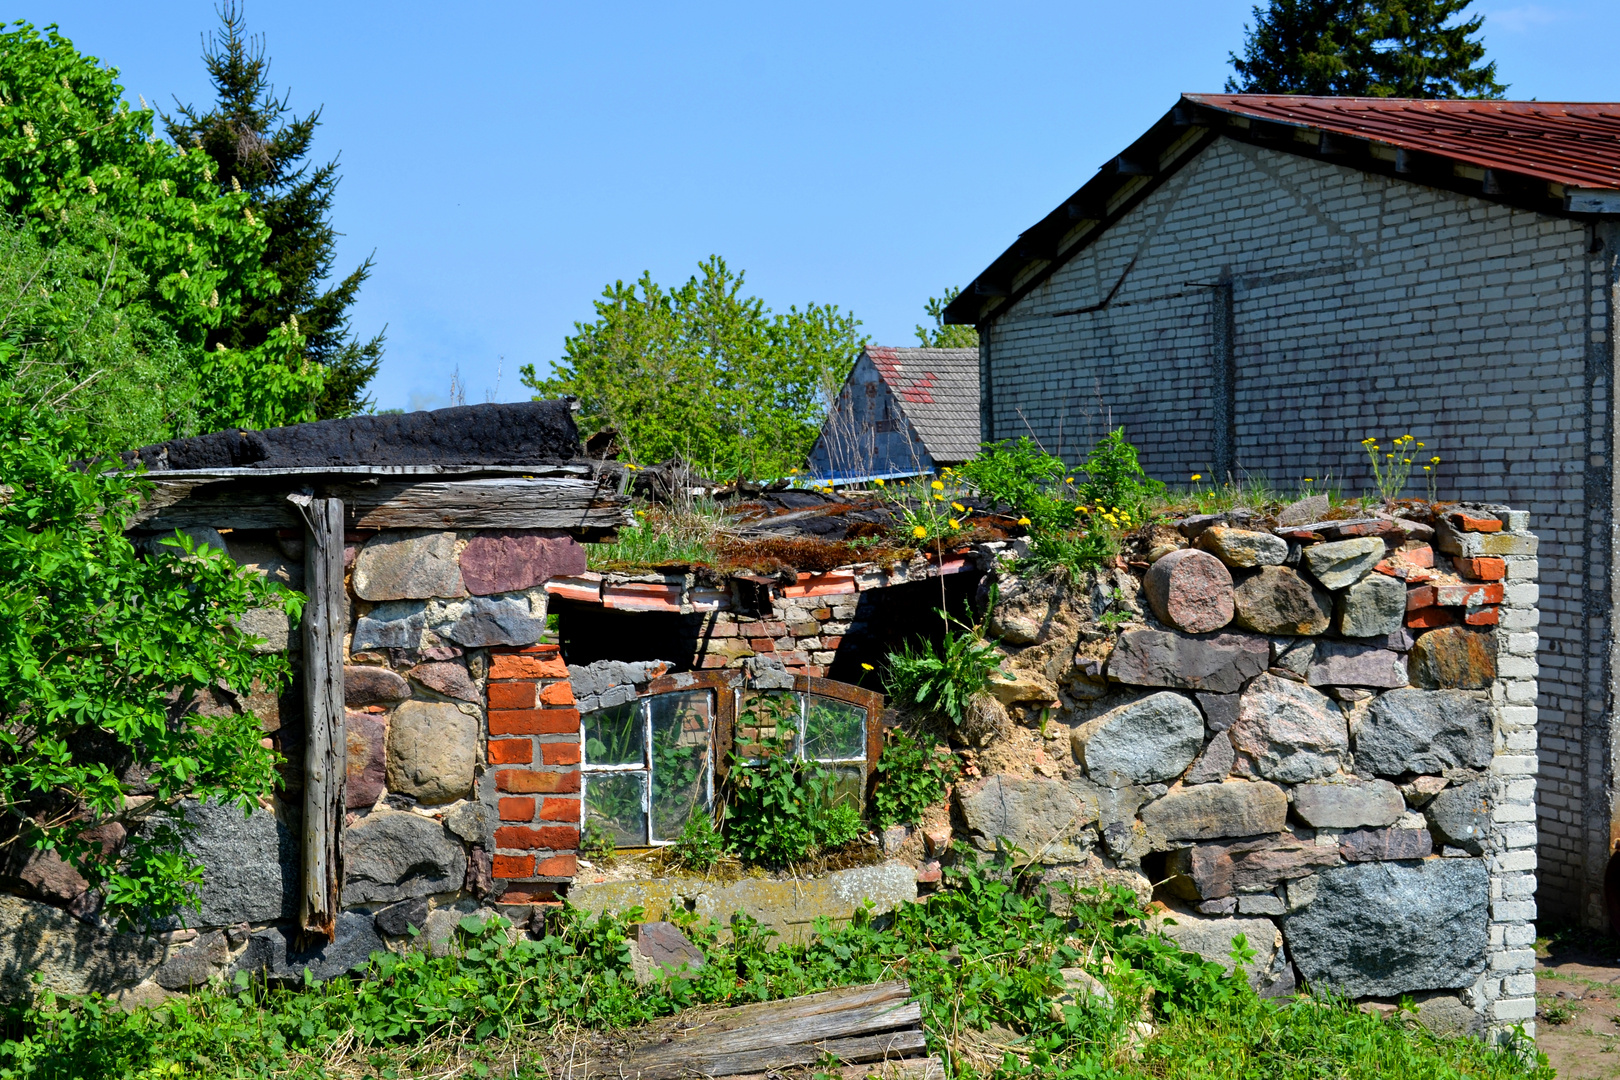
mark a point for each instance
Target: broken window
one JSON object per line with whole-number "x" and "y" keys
{"x": 650, "y": 763}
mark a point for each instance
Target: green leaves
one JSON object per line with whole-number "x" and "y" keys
{"x": 102, "y": 649}
{"x": 913, "y": 775}
{"x": 705, "y": 372}
{"x": 942, "y": 679}
{"x": 783, "y": 809}
{"x": 128, "y": 241}
{"x": 1366, "y": 48}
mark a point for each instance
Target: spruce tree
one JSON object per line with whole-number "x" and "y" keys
{"x": 261, "y": 149}
{"x": 1365, "y": 48}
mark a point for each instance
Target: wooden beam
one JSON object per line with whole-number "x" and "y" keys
{"x": 494, "y": 503}
{"x": 325, "y": 747}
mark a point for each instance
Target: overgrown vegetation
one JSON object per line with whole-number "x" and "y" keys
{"x": 1071, "y": 526}
{"x": 983, "y": 958}
{"x": 685, "y": 533}
{"x": 913, "y": 774}
{"x": 943, "y": 678}
{"x": 134, "y": 243}
{"x": 782, "y": 809}
{"x": 102, "y": 652}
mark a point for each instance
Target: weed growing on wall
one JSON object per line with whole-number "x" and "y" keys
{"x": 1115, "y": 479}
{"x": 1073, "y": 526}
{"x": 943, "y": 678}
{"x": 983, "y": 958}
{"x": 783, "y": 809}
{"x": 912, "y": 775}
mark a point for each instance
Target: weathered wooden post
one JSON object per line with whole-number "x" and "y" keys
{"x": 324, "y": 746}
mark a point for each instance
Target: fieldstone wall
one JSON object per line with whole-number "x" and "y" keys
{"x": 1347, "y": 305}
{"x": 1320, "y": 735}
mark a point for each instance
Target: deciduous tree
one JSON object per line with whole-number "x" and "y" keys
{"x": 942, "y": 335}
{"x": 705, "y": 372}
{"x": 146, "y": 233}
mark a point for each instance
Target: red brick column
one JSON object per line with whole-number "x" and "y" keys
{"x": 535, "y": 751}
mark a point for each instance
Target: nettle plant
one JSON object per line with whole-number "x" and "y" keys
{"x": 101, "y": 651}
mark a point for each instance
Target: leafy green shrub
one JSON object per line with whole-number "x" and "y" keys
{"x": 783, "y": 809}
{"x": 984, "y": 953}
{"x": 1041, "y": 489}
{"x": 95, "y": 642}
{"x": 700, "y": 846}
{"x": 942, "y": 679}
{"x": 1115, "y": 478}
{"x": 1025, "y": 477}
{"x": 912, "y": 775}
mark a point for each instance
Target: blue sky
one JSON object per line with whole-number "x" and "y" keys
{"x": 506, "y": 161}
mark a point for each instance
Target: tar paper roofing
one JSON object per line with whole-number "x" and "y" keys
{"x": 938, "y": 390}
{"x": 1556, "y": 158}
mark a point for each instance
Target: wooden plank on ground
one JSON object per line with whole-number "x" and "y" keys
{"x": 852, "y": 1025}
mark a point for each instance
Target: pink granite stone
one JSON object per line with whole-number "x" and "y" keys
{"x": 516, "y": 559}
{"x": 365, "y": 765}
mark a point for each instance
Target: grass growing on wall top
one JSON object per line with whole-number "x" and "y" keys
{"x": 983, "y": 959}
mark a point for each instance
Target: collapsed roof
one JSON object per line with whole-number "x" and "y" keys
{"x": 520, "y": 433}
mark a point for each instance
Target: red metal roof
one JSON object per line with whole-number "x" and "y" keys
{"x": 1571, "y": 143}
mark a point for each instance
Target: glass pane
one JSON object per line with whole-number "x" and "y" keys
{"x": 766, "y": 721}
{"x": 851, "y": 785}
{"x": 613, "y": 807}
{"x": 834, "y": 729}
{"x": 681, "y": 724}
{"x": 613, "y": 736}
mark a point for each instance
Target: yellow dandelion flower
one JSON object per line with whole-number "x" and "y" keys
{"x": 793, "y": 472}
{"x": 1406, "y": 461}
{"x": 1070, "y": 480}
{"x": 1426, "y": 468}
{"x": 879, "y": 482}
{"x": 937, "y": 486}
{"x": 1434, "y": 461}
{"x": 1197, "y": 476}
{"x": 918, "y": 531}
{"x": 955, "y": 524}
{"x": 1310, "y": 479}
{"x": 867, "y": 667}
{"x": 959, "y": 508}
{"x": 1078, "y": 509}
{"x": 939, "y": 498}
{"x": 1023, "y": 521}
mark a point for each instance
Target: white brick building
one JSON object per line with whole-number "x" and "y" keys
{"x": 1257, "y": 284}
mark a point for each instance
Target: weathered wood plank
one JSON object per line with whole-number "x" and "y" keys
{"x": 893, "y": 1044}
{"x": 775, "y": 1012}
{"x": 816, "y": 1027}
{"x": 921, "y": 1068}
{"x": 325, "y": 748}
{"x": 509, "y": 503}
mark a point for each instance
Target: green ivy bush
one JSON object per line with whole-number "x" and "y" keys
{"x": 101, "y": 650}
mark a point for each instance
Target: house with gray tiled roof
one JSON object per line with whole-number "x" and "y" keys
{"x": 901, "y": 412}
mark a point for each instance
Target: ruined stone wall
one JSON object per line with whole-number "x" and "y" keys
{"x": 1320, "y": 736}
{"x": 1359, "y": 305}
